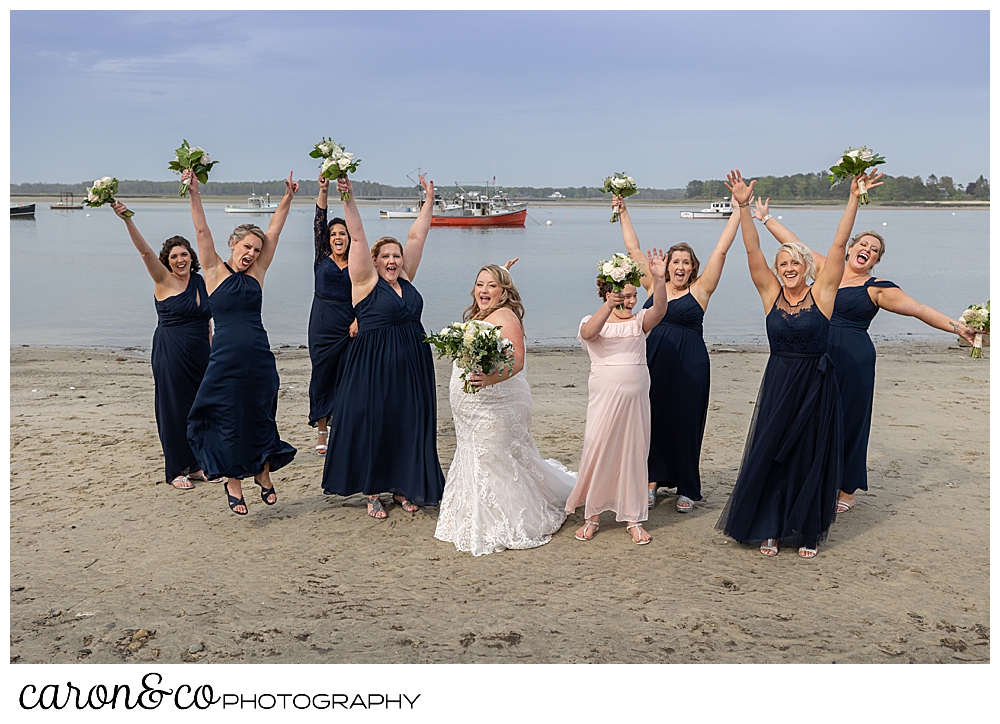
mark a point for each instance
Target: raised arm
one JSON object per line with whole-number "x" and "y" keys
{"x": 781, "y": 233}
{"x": 418, "y": 232}
{"x": 631, "y": 240}
{"x": 897, "y": 301}
{"x": 591, "y": 329}
{"x": 360, "y": 266}
{"x": 828, "y": 280}
{"x": 764, "y": 279}
{"x": 706, "y": 284}
{"x": 274, "y": 228}
{"x": 149, "y": 257}
{"x": 321, "y": 230}
{"x": 211, "y": 262}
{"x": 657, "y": 265}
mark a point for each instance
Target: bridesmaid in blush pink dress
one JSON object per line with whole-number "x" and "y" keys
{"x": 616, "y": 439}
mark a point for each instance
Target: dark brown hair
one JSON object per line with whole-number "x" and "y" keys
{"x": 324, "y": 247}
{"x": 695, "y": 264}
{"x": 178, "y": 241}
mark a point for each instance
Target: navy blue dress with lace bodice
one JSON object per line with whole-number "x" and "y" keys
{"x": 679, "y": 382}
{"x": 179, "y": 358}
{"x": 330, "y": 322}
{"x": 790, "y": 476}
{"x": 853, "y": 353}
{"x": 231, "y": 425}
{"x": 383, "y": 429}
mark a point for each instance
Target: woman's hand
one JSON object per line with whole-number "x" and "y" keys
{"x": 353, "y": 331}
{"x": 119, "y": 208}
{"x": 617, "y": 203}
{"x": 760, "y": 209}
{"x": 870, "y": 179}
{"x": 968, "y": 333}
{"x": 738, "y": 188}
{"x": 344, "y": 187}
{"x": 510, "y": 263}
{"x": 324, "y": 184}
{"x": 477, "y": 380}
{"x": 291, "y": 187}
{"x": 187, "y": 175}
{"x": 428, "y": 188}
{"x": 614, "y": 299}
{"x": 657, "y": 263}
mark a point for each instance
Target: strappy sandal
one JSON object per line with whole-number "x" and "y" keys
{"x": 234, "y": 501}
{"x": 375, "y": 507}
{"x": 684, "y": 499}
{"x": 639, "y": 542}
{"x": 265, "y": 493}
{"x": 805, "y": 552}
{"x": 205, "y": 479}
{"x": 182, "y": 482}
{"x": 321, "y": 447}
{"x": 406, "y": 502}
{"x": 586, "y": 527}
{"x": 843, "y": 506}
{"x": 650, "y": 498}
{"x": 769, "y": 548}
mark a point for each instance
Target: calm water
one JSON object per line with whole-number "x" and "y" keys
{"x": 77, "y": 280}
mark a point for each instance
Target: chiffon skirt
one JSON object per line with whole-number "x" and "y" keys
{"x": 853, "y": 354}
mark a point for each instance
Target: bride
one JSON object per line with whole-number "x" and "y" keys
{"x": 499, "y": 492}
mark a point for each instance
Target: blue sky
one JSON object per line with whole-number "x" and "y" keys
{"x": 547, "y": 98}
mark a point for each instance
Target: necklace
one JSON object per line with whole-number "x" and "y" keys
{"x": 863, "y": 274}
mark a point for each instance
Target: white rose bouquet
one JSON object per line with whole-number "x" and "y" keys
{"x": 337, "y": 163}
{"x": 855, "y": 161}
{"x": 194, "y": 159}
{"x": 476, "y": 347}
{"x": 622, "y": 185}
{"x": 103, "y": 192}
{"x": 618, "y": 271}
{"x": 977, "y": 316}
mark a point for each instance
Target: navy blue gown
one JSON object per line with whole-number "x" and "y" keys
{"x": 180, "y": 356}
{"x": 790, "y": 476}
{"x": 384, "y": 417}
{"x": 329, "y": 323}
{"x": 679, "y": 380}
{"x": 853, "y": 353}
{"x": 231, "y": 425}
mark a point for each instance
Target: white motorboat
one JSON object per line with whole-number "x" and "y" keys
{"x": 255, "y": 205}
{"x": 718, "y": 210}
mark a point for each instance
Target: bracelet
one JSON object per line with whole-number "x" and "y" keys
{"x": 766, "y": 219}
{"x": 742, "y": 206}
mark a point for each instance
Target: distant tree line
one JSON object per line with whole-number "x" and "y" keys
{"x": 816, "y": 187}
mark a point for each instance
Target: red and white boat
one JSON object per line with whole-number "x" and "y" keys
{"x": 469, "y": 209}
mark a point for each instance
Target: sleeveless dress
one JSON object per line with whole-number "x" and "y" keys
{"x": 853, "y": 353}
{"x": 180, "y": 356}
{"x": 613, "y": 473}
{"x": 384, "y": 418}
{"x": 231, "y": 426}
{"x": 679, "y": 381}
{"x": 329, "y": 324}
{"x": 500, "y": 493}
{"x": 790, "y": 476}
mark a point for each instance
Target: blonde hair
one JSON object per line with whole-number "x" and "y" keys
{"x": 800, "y": 253}
{"x": 509, "y": 297}
{"x": 857, "y": 238}
{"x": 382, "y": 241}
{"x": 245, "y": 230}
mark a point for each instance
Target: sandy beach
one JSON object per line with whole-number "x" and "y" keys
{"x": 108, "y": 564}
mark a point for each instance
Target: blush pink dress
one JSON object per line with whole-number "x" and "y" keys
{"x": 616, "y": 438}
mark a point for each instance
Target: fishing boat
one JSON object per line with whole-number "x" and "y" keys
{"x": 66, "y": 202}
{"x": 475, "y": 209}
{"x": 255, "y": 205}
{"x": 22, "y": 210}
{"x": 718, "y": 210}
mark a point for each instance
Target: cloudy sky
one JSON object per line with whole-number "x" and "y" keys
{"x": 544, "y": 98}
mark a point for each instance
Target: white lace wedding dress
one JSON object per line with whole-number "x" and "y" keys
{"x": 499, "y": 493}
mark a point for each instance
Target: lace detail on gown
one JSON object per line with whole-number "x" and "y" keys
{"x": 499, "y": 493}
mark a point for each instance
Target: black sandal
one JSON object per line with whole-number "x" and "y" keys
{"x": 234, "y": 501}
{"x": 265, "y": 492}
{"x": 404, "y": 502}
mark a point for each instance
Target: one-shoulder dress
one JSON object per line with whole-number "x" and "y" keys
{"x": 329, "y": 323}
{"x": 384, "y": 421}
{"x": 180, "y": 356}
{"x": 679, "y": 380}
{"x": 853, "y": 353}
{"x": 231, "y": 425}
{"x": 790, "y": 476}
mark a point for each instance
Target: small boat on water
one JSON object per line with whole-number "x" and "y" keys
{"x": 26, "y": 211}
{"x": 255, "y": 205}
{"x": 66, "y": 202}
{"x": 719, "y": 210}
{"x": 467, "y": 209}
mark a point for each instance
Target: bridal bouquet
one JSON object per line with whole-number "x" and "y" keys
{"x": 337, "y": 163}
{"x": 194, "y": 159}
{"x": 476, "y": 347}
{"x": 618, "y": 271}
{"x": 103, "y": 192}
{"x": 622, "y": 185}
{"x": 977, "y": 316}
{"x": 855, "y": 161}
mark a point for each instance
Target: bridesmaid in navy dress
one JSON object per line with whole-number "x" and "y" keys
{"x": 231, "y": 426}
{"x": 786, "y": 491}
{"x": 859, "y": 299}
{"x": 385, "y": 413}
{"x": 181, "y": 344}
{"x": 679, "y": 368}
{"x": 331, "y": 320}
